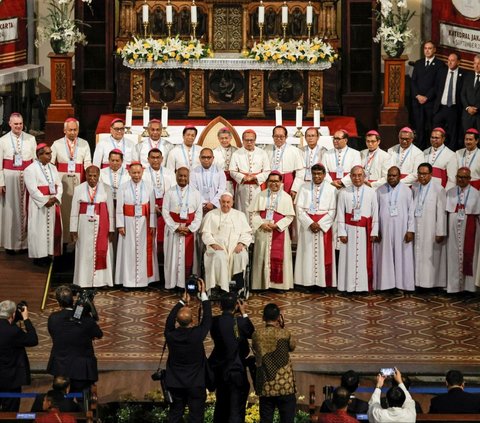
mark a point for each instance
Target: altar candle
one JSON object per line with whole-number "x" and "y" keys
{"x": 128, "y": 116}
{"x": 316, "y": 117}
{"x": 169, "y": 13}
{"x": 284, "y": 13}
{"x": 278, "y": 115}
{"x": 193, "y": 13}
{"x": 165, "y": 116}
{"x": 299, "y": 116}
{"x": 146, "y": 116}
{"x": 145, "y": 13}
{"x": 261, "y": 13}
{"x": 309, "y": 14}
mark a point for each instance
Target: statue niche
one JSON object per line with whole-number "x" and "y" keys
{"x": 226, "y": 86}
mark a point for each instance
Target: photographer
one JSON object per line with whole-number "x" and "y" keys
{"x": 72, "y": 352}
{"x": 14, "y": 364}
{"x": 230, "y": 335}
{"x": 275, "y": 383}
{"x": 187, "y": 364}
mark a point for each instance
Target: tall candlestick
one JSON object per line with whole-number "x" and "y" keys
{"x": 193, "y": 12}
{"x": 145, "y": 12}
{"x": 309, "y": 13}
{"x": 146, "y": 119}
{"x": 169, "y": 13}
{"x": 284, "y": 13}
{"x": 164, "y": 120}
{"x": 299, "y": 120}
{"x": 128, "y": 118}
{"x": 278, "y": 115}
{"x": 261, "y": 13}
{"x": 316, "y": 116}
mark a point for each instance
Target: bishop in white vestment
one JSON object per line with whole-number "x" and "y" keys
{"x": 223, "y": 155}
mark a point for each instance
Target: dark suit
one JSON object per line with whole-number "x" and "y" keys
{"x": 470, "y": 97}
{"x": 186, "y": 364}
{"x": 14, "y": 364}
{"x": 448, "y": 118}
{"x": 424, "y": 81}
{"x": 228, "y": 363}
{"x": 72, "y": 352}
{"x": 67, "y": 405}
{"x": 457, "y": 401}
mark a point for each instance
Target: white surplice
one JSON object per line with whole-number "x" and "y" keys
{"x": 103, "y": 148}
{"x": 114, "y": 179}
{"x": 141, "y": 150}
{"x": 183, "y": 156}
{"x": 223, "y": 157}
{"x": 407, "y": 160}
{"x": 443, "y": 159}
{"x": 376, "y": 164}
{"x": 310, "y": 157}
{"x": 470, "y": 159}
{"x": 211, "y": 183}
{"x": 287, "y": 159}
{"x": 341, "y": 161}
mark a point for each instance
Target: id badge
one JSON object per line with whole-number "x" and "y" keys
{"x": 158, "y": 193}
{"x": 393, "y": 211}
{"x": 114, "y": 193}
{"x": 339, "y": 172}
{"x": 17, "y": 160}
{"x": 357, "y": 215}
{"x": 308, "y": 174}
{"x": 183, "y": 213}
{"x": 91, "y": 210}
{"x": 461, "y": 214}
{"x": 138, "y": 210}
{"x": 419, "y": 212}
{"x": 71, "y": 166}
{"x": 51, "y": 189}
{"x": 269, "y": 215}
{"x": 312, "y": 209}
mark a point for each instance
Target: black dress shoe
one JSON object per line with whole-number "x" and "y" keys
{"x": 11, "y": 252}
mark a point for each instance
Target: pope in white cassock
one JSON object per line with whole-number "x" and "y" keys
{"x": 273, "y": 213}
{"x": 430, "y": 230}
{"x": 186, "y": 154}
{"x": 357, "y": 226}
{"x": 92, "y": 228}
{"x": 72, "y": 156}
{"x": 44, "y": 218}
{"x": 249, "y": 168}
{"x": 469, "y": 156}
{"x": 116, "y": 141}
{"x": 393, "y": 254}
{"x": 375, "y": 161}
{"x": 223, "y": 156}
{"x": 154, "y": 140}
{"x": 316, "y": 207}
{"x": 463, "y": 208}
{"x": 137, "y": 263}
{"x": 226, "y": 235}
{"x": 17, "y": 152}
{"x": 182, "y": 211}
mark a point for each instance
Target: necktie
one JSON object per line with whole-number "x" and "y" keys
{"x": 427, "y": 64}
{"x": 477, "y": 81}
{"x": 450, "y": 91}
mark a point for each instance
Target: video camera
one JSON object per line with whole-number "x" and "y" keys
{"x": 18, "y": 312}
{"x": 84, "y": 305}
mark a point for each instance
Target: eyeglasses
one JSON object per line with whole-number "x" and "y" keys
{"x": 206, "y": 157}
{"x": 274, "y": 182}
{"x": 423, "y": 173}
{"x": 118, "y": 129}
{"x": 279, "y": 137}
{"x": 338, "y": 138}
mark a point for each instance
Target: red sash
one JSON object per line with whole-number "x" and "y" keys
{"x": 364, "y": 222}
{"x": 101, "y": 245}
{"x": 468, "y": 243}
{"x": 333, "y": 175}
{"x": 63, "y": 167}
{"x": 440, "y": 174}
{"x": 230, "y": 179}
{"x": 287, "y": 181}
{"x": 8, "y": 164}
{"x": 57, "y": 231}
{"x": 276, "y": 249}
{"x": 475, "y": 184}
{"x": 160, "y": 221}
{"x": 327, "y": 249}
{"x": 189, "y": 241}
{"x": 250, "y": 182}
{"x": 403, "y": 175}
{"x": 129, "y": 210}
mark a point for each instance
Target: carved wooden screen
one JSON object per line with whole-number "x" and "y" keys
{"x": 227, "y": 28}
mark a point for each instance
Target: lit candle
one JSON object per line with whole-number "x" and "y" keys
{"x": 193, "y": 12}
{"x": 145, "y": 13}
{"x": 261, "y": 13}
{"x": 169, "y": 13}
{"x": 146, "y": 115}
{"x": 316, "y": 117}
{"x": 165, "y": 115}
{"x": 284, "y": 13}
{"x": 309, "y": 13}
{"x": 128, "y": 116}
{"x": 299, "y": 116}
{"x": 278, "y": 115}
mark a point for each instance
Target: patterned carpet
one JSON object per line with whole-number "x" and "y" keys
{"x": 428, "y": 332}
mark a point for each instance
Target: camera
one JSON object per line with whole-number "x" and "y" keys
{"x": 387, "y": 371}
{"x": 192, "y": 284}
{"x": 238, "y": 288}
{"x": 84, "y": 305}
{"x": 160, "y": 375}
{"x": 18, "y": 312}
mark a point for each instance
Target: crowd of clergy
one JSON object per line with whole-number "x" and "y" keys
{"x": 360, "y": 220}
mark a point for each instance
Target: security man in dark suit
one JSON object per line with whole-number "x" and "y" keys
{"x": 230, "y": 335}
{"x": 448, "y": 104}
{"x": 471, "y": 97}
{"x": 187, "y": 363}
{"x": 424, "y": 79}
{"x": 72, "y": 352}
{"x": 456, "y": 400}
{"x": 14, "y": 364}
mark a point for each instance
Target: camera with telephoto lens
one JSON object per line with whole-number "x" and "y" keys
{"x": 84, "y": 305}
{"x": 192, "y": 284}
{"x": 18, "y": 311}
{"x": 161, "y": 375}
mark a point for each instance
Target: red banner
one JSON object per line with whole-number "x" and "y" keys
{"x": 13, "y": 33}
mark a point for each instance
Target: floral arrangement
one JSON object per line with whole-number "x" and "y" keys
{"x": 161, "y": 50}
{"x": 280, "y": 51}
{"x": 60, "y": 28}
{"x": 393, "y": 31}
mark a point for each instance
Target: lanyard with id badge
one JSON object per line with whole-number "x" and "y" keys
{"x": 340, "y": 167}
{"x": 310, "y": 161}
{"x": 183, "y": 207}
{"x": 315, "y": 202}
{"x": 461, "y": 207}
{"x": 112, "y": 182}
{"x": 275, "y": 162}
{"x": 421, "y": 202}
{"x": 71, "y": 154}
{"x": 91, "y": 204}
{"x": 271, "y": 209}
{"x": 207, "y": 181}
{"x": 357, "y": 204}
{"x": 392, "y": 202}
{"x": 52, "y": 189}
{"x": 17, "y": 155}
{"x": 157, "y": 188}
{"x": 137, "y": 201}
